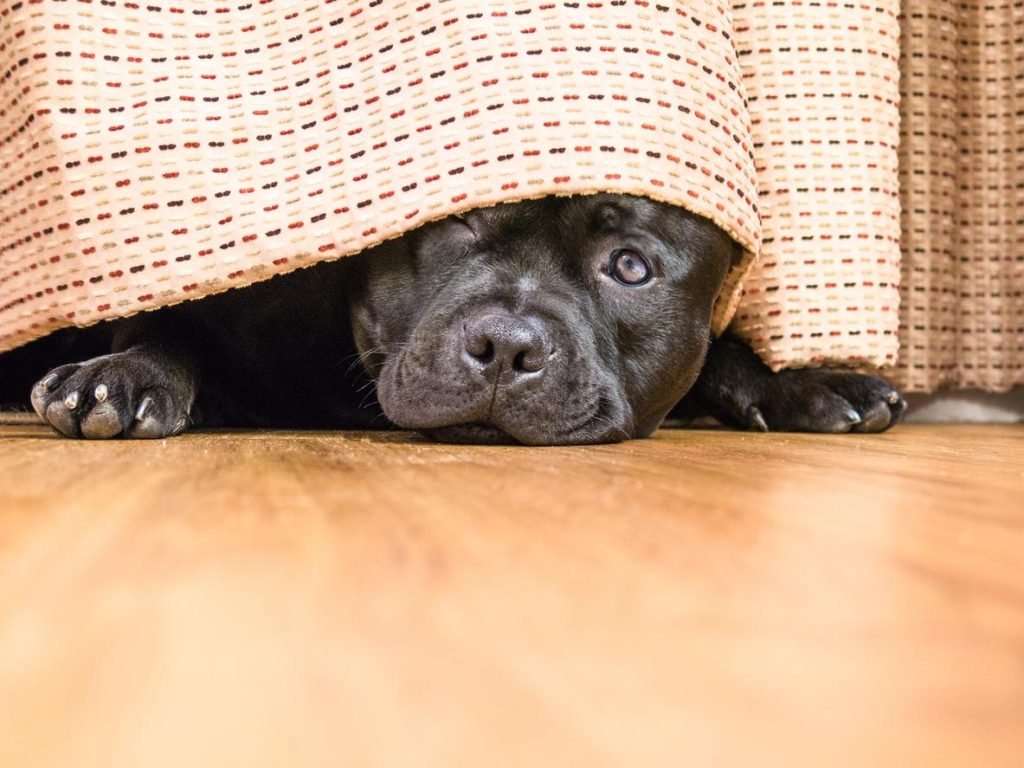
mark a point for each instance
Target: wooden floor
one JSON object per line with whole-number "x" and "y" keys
{"x": 699, "y": 599}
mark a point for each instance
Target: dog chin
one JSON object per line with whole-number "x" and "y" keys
{"x": 475, "y": 433}
{"x": 447, "y": 421}
{"x": 486, "y": 433}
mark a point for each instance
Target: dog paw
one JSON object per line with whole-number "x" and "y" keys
{"x": 818, "y": 401}
{"x": 136, "y": 394}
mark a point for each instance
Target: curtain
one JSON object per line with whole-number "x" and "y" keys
{"x": 962, "y": 188}
{"x": 153, "y": 155}
{"x": 289, "y": 133}
{"x": 822, "y": 87}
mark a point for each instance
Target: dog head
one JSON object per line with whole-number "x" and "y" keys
{"x": 556, "y": 321}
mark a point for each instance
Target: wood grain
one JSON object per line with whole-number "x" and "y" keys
{"x": 361, "y": 599}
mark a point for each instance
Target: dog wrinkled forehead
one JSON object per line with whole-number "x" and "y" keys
{"x": 569, "y": 219}
{"x": 529, "y": 226}
{"x": 566, "y": 234}
{"x": 501, "y": 225}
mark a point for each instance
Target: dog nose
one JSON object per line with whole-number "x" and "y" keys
{"x": 504, "y": 343}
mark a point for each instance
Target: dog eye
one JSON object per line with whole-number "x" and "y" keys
{"x": 629, "y": 267}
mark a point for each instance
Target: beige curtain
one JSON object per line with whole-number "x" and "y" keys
{"x": 822, "y": 88}
{"x": 238, "y": 160}
{"x": 962, "y": 185}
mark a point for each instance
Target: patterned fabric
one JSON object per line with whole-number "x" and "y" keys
{"x": 822, "y": 83}
{"x": 962, "y": 179}
{"x": 159, "y": 151}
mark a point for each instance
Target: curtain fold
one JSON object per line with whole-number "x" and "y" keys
{"x": 822, "y": 83}
{"x": 962, "y": 188}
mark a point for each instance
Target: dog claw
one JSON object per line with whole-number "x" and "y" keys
{"x": 893, "y": 398}
{"x": 47, "y": 382}
{"x": 71, "y": 401}
{"x": 143, "y": 409}
{"x": 39, "y": 399}
{"x": 100, "y": 393}
{"x": 756, "y": 419}
{"x": 852, "y": 417}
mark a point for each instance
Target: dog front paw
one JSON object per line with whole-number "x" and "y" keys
{"x": 137, "y": 394}
{"x": 739, "y": 390}
{"x": 817, "y": 401}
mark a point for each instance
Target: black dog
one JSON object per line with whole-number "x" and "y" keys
{"x": 558, "y": 321}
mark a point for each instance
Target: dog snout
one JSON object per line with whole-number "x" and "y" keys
{"x": 499, "y": 343}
